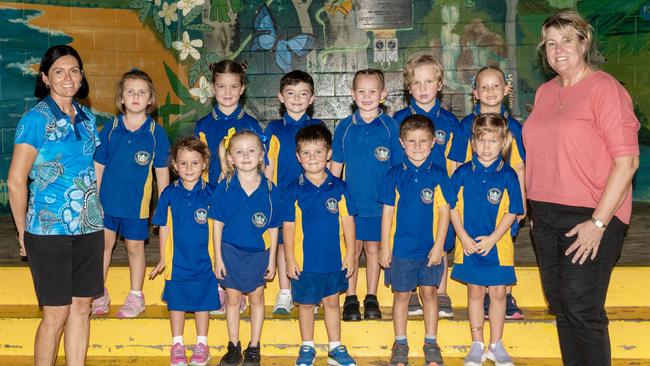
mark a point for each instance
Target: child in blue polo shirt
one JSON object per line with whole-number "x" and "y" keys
{"x": 245, "y": 208}
{"x": 296, "y": 95}
{"x": 186, "y": 250}
{"x": 366, "y": 145}
{"x": 490, "y": 87}
{"x": 415, "y": 219}
{"x": 318, "y": 232}
{"x": 423, "y": 77}
{"x": 228, "y": 85}
{"x": 130, "y": 146}
{"x": 484, "y": 254}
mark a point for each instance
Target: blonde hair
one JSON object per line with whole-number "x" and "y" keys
{"x": 495, "y": 123}
{"x": 370, "y": 72}
{"x": 417, "y": 61}
{"x": 190, "y": 143}
{"x": 569, "y": 23}
{"x": 228, "y": 169}
{"x": 135, "y": 74}
{"x": 507, "y": 80}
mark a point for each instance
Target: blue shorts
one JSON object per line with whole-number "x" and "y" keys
{"x": 131, "y": 229}
{"x": 312, "y": 288}
{"x": 244, "y": 270}
{"x": 405, "y": 274}
{"x": 368, "y": 228}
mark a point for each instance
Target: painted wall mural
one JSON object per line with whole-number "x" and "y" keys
{"x": 176, "y": 41}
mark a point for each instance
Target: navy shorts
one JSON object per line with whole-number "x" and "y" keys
{"x": 368, "y": 228}
{"x": 312, "y": 288}
{"x": 131, "y": 229}
{"x": 405, "y": 274}
{"x": 244, "y": 270}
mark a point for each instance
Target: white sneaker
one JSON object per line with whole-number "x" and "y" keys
{"x": 283, "y": 303}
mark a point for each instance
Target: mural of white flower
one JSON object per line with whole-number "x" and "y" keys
{"x": 186, "y": 46}
{"x": 204, "y": 91}
{"x": 169, "y": 13}
{"x": 187, "y": 5}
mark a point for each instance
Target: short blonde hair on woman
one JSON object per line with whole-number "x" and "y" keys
{"x": 415, "y": 62}
{"x": 570, "y": 24}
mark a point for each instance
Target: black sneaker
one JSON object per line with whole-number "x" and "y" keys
{"x": 399, "y": 355}
{"x": 371, "y": 309}
{"x": 351, "y": 312}
{"x": 252, "y": 356}
{"x": 513, "y": 312}
{"x": 233, "y": 356}
{"x": 432, "y": 355}
{"x": 415, "y": 308}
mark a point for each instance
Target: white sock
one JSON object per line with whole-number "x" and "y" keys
{"x": 493, "y": 344}
{"x": 137, "y": 293}
{"x": 177, "y": 339}
{"x": 309, "y": 343}
{"x": 286, "y": 291}
{"x": 334, "y": 345}
{"x": 202, "y": 339}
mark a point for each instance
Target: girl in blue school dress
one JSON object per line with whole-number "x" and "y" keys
{"x": 186, "y": 250}
{"x": 132, "y": 147}
{"x": 245, "y": 212}
{"x": 489, "y": 200}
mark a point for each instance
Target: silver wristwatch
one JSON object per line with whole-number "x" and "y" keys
{"x": 598, "y": 223}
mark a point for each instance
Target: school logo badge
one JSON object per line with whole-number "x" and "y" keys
{"x": 426, "y": 195}
{"x": 494, "y": 195}
{"x": 259, "y": 219}
{"x": 142, "y": 158}
{"x": 201, "y": 216}
{"x": 382, "y": 153}
{"x": 332, "y": 205}
{"x": 441, "y": 137}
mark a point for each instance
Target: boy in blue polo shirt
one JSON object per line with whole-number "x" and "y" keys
{"x": 416, "y": 196}
{"x": 423, "y": 77}
{"x": 296, "y": 95}
{"x": 318, "y": 232}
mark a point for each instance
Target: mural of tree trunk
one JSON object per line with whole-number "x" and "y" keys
{"x": 511, "y": 44}
{"x": 302, "y": 9}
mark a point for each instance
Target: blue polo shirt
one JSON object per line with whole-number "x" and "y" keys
{"x": 128, "y": 158}
{"x": 63, "y": 196}
{"x": 446, "y": 126}
{"x": 189, "y": 252}
{"x": 319, "y": 245}
{"x": 247, "y": 219}
{"x": 484, "y": 195}
{"x": 416, "y": 193}
{"x": 461, "y": 149}
{"x": 212, "y": 128}
{"x": 281, "y": 138}
{"x": 368, "y": 150}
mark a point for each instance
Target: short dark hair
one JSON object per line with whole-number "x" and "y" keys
{"x": 314, "y": 133}
{"x": 51, "y": 55}
{"x": 294, "y": 77}
{"x": 417, "y": 122}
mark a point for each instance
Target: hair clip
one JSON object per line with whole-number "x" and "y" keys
{"x": 472, "y": 81}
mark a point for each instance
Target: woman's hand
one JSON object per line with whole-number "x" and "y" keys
{"x": 220, "y": 269}
{"x": 21, "y": 243}
{"x": 484, "y": 245}
{"x": 587, "y": 242}
{"x": 158, "y": 269}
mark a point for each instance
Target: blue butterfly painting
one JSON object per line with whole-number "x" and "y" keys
{"x": 266, "y": 39}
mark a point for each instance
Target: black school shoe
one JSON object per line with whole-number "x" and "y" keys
{"x": 252, "y": 356}
{"x": 371, "y": 309}
{"x": 351, "y": 312}
{"x": 233, "y": 356}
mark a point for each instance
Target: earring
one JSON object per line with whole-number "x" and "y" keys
{"x": 47, "y": 86}
{"x": 382, "y": 100}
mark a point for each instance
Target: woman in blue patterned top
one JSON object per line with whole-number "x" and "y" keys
{"x": 60, "y": 225}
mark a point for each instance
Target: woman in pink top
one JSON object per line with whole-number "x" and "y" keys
{"x": 582, "y": 151}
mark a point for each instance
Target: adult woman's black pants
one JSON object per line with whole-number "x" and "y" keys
{"x": 576, "y": 293}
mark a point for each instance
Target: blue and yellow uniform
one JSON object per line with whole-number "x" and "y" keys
{"x": 461, "y": 149}
{"x": 368, "y": 151}
{"x": 245, "y": 240}
{"x": 129, "y": 158}
{"x": 484, "y": 195}
{"x": 212, "y": 128}
{"x": 319, "y": 244}
{"x": 281, "y": 138}
{"x": 190, "y": 283}
{"x": 416, "y": 193}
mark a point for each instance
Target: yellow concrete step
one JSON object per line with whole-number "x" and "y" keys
{"x": 627, "y": 289}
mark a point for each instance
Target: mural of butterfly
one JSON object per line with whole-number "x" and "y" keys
{"x": 266, "y": 39}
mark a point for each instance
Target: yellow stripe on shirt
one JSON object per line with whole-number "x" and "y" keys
{"x": 505, "y": 246}
{"x": 460, "y": 208}
{"x": 169, "y": 246}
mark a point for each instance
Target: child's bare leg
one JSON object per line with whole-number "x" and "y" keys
{"x": 352, "y": 281}
{"x": 233, "y": 300}
{"x": 475, "y": 295}
{"x": 400, "y": 312}
{"x": 256, "y": 302}
{"x": 109, "y": 245}
{"x": 137, "y": 263}
{"x": 306, "y": 321}
{"x": 281, "y": 262}
{"x": 202, "y": 322}
{"x": 332, "y": 317}
{"x": 372, "y": 265}
{"x": 442, "y": 289}
{"x": 430, "y": 308}
{"x": 497, "y": 312}
{"x": 177, "y": 320}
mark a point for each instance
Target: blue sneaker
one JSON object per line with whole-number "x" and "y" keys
{"x": 339, "y": 357}
{"x": 306, "y": 356}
